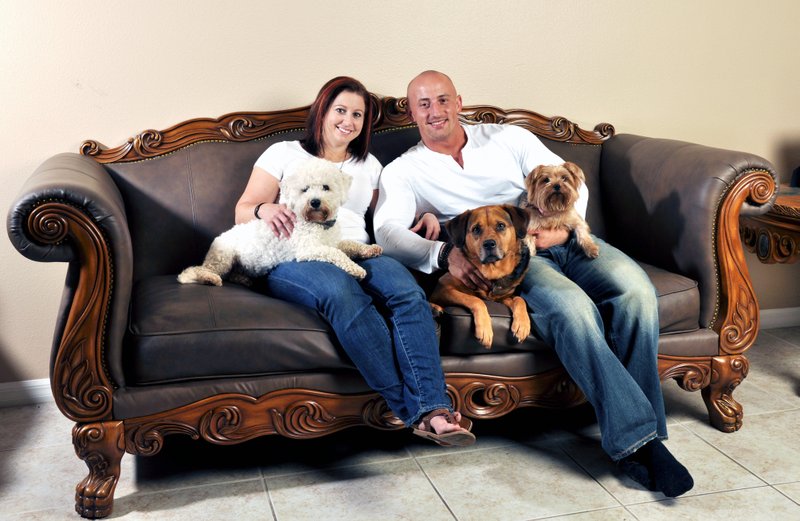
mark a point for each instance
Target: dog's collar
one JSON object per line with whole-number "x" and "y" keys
{"x": 328, "y": 224}
{"x": 538, "y": 210}
{"x": 525, "y": 204}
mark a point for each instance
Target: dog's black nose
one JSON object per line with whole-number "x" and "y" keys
{"x": 490, "y": 244}
{"x": 557, "y": 188}
{"x": 314, "y": 203}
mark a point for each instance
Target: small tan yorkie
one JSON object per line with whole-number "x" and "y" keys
{"x": 552, "y": 192}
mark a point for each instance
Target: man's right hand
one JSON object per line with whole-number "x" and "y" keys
{"x": 461, "y": 268}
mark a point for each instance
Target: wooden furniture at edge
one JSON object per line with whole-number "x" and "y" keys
{"x": 775, "y": 236}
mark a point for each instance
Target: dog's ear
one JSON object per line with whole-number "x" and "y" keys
{"x": 576, "y": 172}
{"x": 529, "y": 179}
{"x": 519, "y": 218}
{"x": 457, "y": 228}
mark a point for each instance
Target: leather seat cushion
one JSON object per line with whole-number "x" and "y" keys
{"x": 678, "y": 308}
{"x": 194, "y": 332}
{"x": 184, "y": 332}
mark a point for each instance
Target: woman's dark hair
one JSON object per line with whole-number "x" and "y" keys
{"x": 312, "y": 142}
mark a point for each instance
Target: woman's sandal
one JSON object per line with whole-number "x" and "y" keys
{"x": 459, "y": 438}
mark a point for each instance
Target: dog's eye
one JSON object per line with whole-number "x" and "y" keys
{"x": 326, "y": 188}
{"x": 500, "y": 227}
{"x": 545, "y": 180}
{"x": 304, "y": 190}
{"x": 476, "y": 230}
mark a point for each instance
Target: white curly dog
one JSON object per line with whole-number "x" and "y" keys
{"x": 314, "y": 192}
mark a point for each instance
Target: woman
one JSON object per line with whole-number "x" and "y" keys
{"x": 398, "y": 355}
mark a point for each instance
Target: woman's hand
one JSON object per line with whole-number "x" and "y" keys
{"x": 279, "y": 218}
{"x": 427, "y": 226}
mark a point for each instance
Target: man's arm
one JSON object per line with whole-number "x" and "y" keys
{"x": 394, "y": 216}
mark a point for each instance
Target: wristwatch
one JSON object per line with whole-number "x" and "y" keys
{"x": 444, "y": 254}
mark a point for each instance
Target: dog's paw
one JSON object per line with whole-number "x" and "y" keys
{"x": 373, "y": 250}
{"x": 484, "y": 333}
{"x": 199, "y": 275}
{"x": 592, "y": 250}
{"x": 436, "y": 310}
{"x": 356, "y": 271}
{"x": 521, "y": 328}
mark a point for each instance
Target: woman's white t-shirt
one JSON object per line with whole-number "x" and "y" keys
{"x": 282, "y": 158}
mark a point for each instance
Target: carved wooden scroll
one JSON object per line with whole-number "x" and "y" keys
{"x": 302, "y": 413}
{"x": 388, "y": 113}
{"x": 738, "y": 308}
{"x": 81, "y": 388}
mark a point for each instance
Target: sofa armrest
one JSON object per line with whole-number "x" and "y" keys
{"x": 676, "y": 205}
{"x": 70, "y": 210}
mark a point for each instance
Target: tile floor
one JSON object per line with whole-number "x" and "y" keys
{"x": 529, "y": 465}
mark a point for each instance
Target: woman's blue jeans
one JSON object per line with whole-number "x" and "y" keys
{"x": 601, "y": 317}
{"x": 397, "y": 352}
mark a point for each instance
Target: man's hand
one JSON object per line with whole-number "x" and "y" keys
{"x": 461, "y": 268}
{"x": 548, "y": 238}
{"x": 428, "y": 226}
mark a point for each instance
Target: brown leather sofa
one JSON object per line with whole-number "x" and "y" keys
{"x": 137, "y": 356}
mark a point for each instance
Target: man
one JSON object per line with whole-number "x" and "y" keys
{"x": 600, "y": 315}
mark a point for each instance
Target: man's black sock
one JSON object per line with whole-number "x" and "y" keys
{"x": 654, "y": 467}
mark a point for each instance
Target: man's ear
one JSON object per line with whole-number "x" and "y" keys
{"x": 519, "y": 218}
{"x": 459, "y": 103}
{"x": 457, "y": 228}
{"x": 409, "y": 110}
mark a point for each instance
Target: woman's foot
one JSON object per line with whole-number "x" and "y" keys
{"x": 446, "y": 428}
{"x": 654, "y": 467}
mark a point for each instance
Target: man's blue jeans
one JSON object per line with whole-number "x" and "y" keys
{"x": 601, "y": 317}
{"x": 398, "y": 355}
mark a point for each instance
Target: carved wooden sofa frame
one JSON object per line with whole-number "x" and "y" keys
{"x": 60, "y": 217}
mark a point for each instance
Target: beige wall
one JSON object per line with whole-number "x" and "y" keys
{"x": 722, "y": 73}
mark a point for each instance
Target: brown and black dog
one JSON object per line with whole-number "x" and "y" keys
{"x": 493, "y": 239}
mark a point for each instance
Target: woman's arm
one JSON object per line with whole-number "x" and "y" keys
{"x": 263, "y": 189}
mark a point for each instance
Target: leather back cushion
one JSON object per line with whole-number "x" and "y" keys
{"x": 178, "y": 203}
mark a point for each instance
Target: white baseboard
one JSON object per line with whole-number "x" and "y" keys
{"x": 780, "y": 317}
{"x": 26, "y": 392}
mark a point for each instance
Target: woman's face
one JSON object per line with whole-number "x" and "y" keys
{"x": 344, "y": 120}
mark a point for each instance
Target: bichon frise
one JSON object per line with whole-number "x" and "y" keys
{"x": 314, "y": 192}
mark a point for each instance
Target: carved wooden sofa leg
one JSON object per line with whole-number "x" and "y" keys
{"x": 727, "y": 372}
{"x": 101, "y": 445}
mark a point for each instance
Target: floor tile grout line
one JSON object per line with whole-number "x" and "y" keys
{"x": 726, "y": 455}
{"x": 143, "y": 493}
{"x": 703, "y": 494}
{"x": 589, "y": 474}
{"x": 561, "y": 516}
{"x": 265, "y": 486}
{"x": 435, "y": 488}
{"x": 779, "y": 491}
